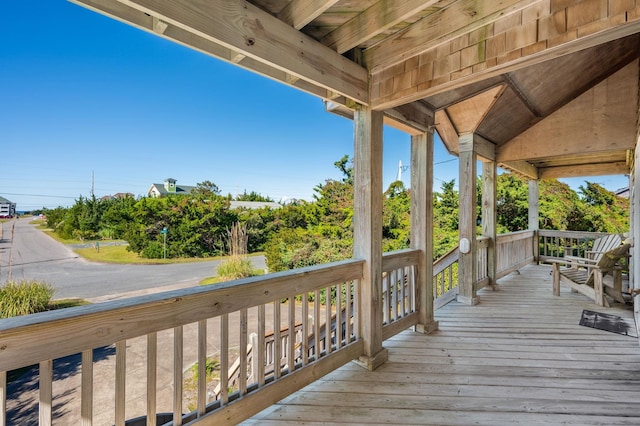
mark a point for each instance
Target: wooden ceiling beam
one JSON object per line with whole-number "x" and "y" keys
{"x": 439, "y": 28}
{"x": 373, "y": 21}
{"x": 595, "y": 169}
{"x": 298, "y": 13}
{"x": 248, "y": 30}
{"x": 447, "y": 131}
{"x": 521, "y": 168}
{"x": 412, "y": 119}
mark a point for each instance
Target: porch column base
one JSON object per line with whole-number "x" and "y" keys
{"x": 471, "y": 301}
{"x": 371, "y": 363}
{"x": 428, "y": 328}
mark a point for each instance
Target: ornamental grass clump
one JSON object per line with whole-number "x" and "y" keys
{"x": 24, "y": 297}
{"x": 237, "y": 265}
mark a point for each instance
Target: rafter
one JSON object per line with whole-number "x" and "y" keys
{"x": 373, "y": 21}
{"x": 438, "y": 28}
{"x": 299, "y": 13}
{"x": 248, "y": 30}
{"x": 521, "y": 168}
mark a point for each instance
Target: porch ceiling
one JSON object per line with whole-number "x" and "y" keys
{"x": 537, "y": 58}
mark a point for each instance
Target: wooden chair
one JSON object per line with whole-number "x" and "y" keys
{"x": 586, "y": 275}
{"x": 599, "y": 247}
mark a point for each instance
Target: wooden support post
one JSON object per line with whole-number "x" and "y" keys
{"x": 489, "y": 217}
{"x": 467, "y": 222}
{"x": 634, "y": 186}
{"x": 367, "y": 231}
{"x": 422, "y": 226}
{"x": 534, "y": 221}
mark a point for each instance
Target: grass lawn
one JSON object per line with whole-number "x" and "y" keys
{"x": 120, "y": 254}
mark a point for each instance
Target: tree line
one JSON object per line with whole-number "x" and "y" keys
{"x": 303, "y": 233}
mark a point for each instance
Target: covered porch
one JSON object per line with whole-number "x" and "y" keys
{"x": 543, "y": 88}
{"x": 519, "y": 357}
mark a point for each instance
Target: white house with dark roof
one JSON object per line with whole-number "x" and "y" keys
{"x": 7, "y": 208}
{"x": 169, "y": 187}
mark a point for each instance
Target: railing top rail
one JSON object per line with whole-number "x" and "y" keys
{"x": 570, "y": 234}
{"x": 514, "y": 236}
{"x": 400, "y": 258}
{"x": 29, "y": 339}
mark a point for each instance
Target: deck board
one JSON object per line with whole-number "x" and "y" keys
{"x": 519, "y": 357}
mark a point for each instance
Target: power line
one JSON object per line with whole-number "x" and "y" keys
{"x": 38, "y": 195}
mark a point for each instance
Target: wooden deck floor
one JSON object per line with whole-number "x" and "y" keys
{"x": 519, "y": 357}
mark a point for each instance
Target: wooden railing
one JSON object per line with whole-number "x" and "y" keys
{"x": 445, "y": 278}
{"x": 319, "y": 304}
{"x": 399, "y": 270}
{"x": 513, "y": 251}
{"x": 221, "y": 316}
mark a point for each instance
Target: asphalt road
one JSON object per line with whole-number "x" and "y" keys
{"x": 27, "y": 253}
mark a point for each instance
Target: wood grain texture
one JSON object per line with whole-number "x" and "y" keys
{"x": 519, "y": 357}
{"x": 27, "y": 340}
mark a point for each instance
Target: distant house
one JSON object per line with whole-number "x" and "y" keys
{"x": 117, "y": 195}
{"x": 7, "y": 208}
{"x": 169, "y": 187}
{"x": 623, "y": 192}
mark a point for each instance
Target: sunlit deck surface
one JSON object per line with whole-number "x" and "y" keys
{"x": 519, "y": 357}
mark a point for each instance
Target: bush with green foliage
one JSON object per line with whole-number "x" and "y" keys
{"x": 24, "y": 297}
{"x": 235, "y": 268}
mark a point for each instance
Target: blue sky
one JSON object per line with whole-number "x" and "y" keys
{"x": 83, "y": 95}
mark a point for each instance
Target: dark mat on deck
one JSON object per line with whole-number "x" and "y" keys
{"x": 608, "y": 322}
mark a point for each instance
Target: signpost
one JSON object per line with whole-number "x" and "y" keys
{"x": 164, "y": 232}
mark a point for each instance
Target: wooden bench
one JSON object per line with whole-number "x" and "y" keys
{"x": 586, "y": 275}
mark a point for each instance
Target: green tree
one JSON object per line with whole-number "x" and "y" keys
{"x": 512, "y": 204}
{"x": 396, "y": 217}
{"x": 206, "y": 189}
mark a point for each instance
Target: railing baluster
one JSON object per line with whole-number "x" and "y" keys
{"x": 86, "y": 388}
{"x": 328, "y": 315}
{"x": 259, "y": 352}
{"x": 121, "y": 374}
{"x": 304, "y": 348}
{"x": 152, "y": 368}
{"x": 403, "y": 292}
{"x": 224, "y": 359}
{"x": 291, "y": 357}
{"x": 348, "y": 313}
{"x": 3, "y": 398}
{"x": 316, "y": 325}
{"x": 386, "y": 298}
{"x": 46, "y": 391}
{"x": 242, "y": 376}
{"x": 202, "y": 367}
{"x": 339, "y": 317}
{"x": 277, "y": 341}
{"x": 356, "y": 313}
{"x": 394, "y": 298}
{"x": 178, "y": 349}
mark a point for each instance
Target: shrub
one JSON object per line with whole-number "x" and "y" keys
{"x": 24, "y": 297}
{"x": 236, "y": 268}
